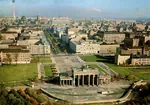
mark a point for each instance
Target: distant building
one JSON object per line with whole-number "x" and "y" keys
{"x": 61, "y": 20}
{"x": 128, "y": 51}
{"x": 84, "y": 47}
{"x": 40, "y": 49}
{"x": 131, "y": 42}
{"x": 108, "y": 48}
{"x": 112, "y": 37}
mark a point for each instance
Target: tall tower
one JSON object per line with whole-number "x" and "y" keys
{"x": 14, "y": 16}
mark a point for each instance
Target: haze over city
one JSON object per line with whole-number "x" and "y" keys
{"x": 126, "y": 9}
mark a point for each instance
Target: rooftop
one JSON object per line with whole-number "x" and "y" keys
{"x": 140, "y": 56}
{"x": 111, "y": 32}
{"x": 13, "y": 50}
{"x": 65, "y": 75}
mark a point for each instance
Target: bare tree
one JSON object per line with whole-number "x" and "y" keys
{"x": 1, "y": 37}
{"x": 16, "y": 57}
{"x": 8, "y": 58}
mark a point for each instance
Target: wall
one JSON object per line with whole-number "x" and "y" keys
{"x": 22, "y": 57}
{"x": 111, "y": 37}
{"x": 108, "y": 49}
{"x": 120, "y": 59}
{"x": 140, "y": 61}
{"x": 85, "y": 48}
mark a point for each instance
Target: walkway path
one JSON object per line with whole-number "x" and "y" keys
{"x": 105, "y": 68}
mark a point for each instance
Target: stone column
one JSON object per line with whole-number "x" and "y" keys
{"x": 60, "y": 82}
{"x": 97, "y": 80}
{"x": 101, "y": 81}
{"x": 78, "y": 80}
{"x": 93, "y": 80}
{"x": 63, "y": 82}
{"x": 88, "y": 80}
{"x": 69, "y": 82}
{"x": 82, "y": 80}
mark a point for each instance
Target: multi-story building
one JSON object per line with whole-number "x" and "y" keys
{"x": 40, "y": 49}
{"x": 14, "y": 56}
{"x": 108, "y": 48}
{"x": 112, "y": 37}
{"x": 84, "y": 47}
{"x": 128, "y": 51}
{"x": 140, "y": 60}
{"x": 131, "y": 42}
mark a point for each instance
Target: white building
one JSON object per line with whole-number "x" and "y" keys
{"x": 40, "y": 49}
{"x": 84, "y": 47}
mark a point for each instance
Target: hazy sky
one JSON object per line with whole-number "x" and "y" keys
{"x": 78, "y": 8}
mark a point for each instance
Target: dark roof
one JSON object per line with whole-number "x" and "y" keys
{"x": 10, "y": 32}
{"x": 140, "y": 56}
{"x": 13, "y": 50}
{"x": 63, "y": 74}
{"x": 18, "y": 46}
{"x": 111, "y": 32}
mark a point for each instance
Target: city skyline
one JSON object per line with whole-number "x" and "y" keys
{"x": 78, "y": 9}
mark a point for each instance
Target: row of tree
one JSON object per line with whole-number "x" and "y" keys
{"x": 141, "y": 96}
{"x": 8, "y": 59}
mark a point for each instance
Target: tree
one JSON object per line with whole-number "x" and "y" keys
{"x": 146, "y": 27}
{"x": 3, "y": 100}
{"x": 35, "y": 79}
{"x": 23, "y": 18}
{"x": 118, "y": 28}
{"x": 6, "y": 28}
{"x": 1, "y": 37}
{"x": 8, "y": 58}
{"x": 16, "y": 57}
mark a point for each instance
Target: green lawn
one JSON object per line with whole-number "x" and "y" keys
{"x": 95, "y": 66}
{"x": 45, "y": 59}
{"x": 17, "y": 72}
{"x": 48, "y": 70}
{"x": 123, "y": 71}
{"x": 17, "y": 84}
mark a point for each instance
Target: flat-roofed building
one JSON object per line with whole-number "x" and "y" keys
{"x": 131, "y": 42}
{"x": 18, "y": 56}
{"x": 108, "y": 48}
{"x": 84, "y": 47}
{"x": 40, "y": 49}
{"x": 140, "y": 60}
{"x": 9, "y": 35}
{"x": 112, "y": 37}
{"x": 134, "y": 51}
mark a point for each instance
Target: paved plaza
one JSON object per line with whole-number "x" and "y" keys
{"x": 66, "y": 62}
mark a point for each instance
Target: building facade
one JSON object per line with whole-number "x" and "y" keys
{"x": 39, "y": 49}
{"x": 141, "y": 60}
{"x": 17, "y": 56}
{"x": 84, "y": 47}
{"x": 108, "y": 48}
{"x": 112, "y": 37}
